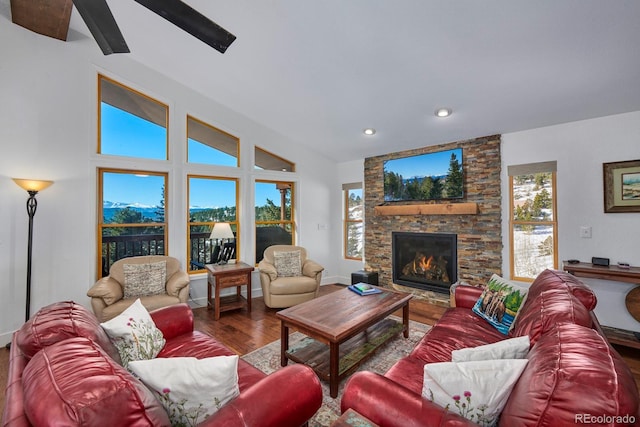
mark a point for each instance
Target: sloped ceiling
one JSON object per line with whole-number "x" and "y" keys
{"x": 319, "y": 72}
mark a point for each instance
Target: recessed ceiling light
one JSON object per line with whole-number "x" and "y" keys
{"x": 443, "y": 112}
{"x": 369, "y": 131}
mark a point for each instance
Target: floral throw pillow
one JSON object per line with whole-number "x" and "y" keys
{"x": 500, "y": 302}
{"x": 144, "y": 279}
{"x": 477, "y": 390}
{"x": 134, "y": 334}
{"x": 190, "y": 389}
{"x": 288, "y": 264}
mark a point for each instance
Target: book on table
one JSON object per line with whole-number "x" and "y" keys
{"x": 364, "y": 289}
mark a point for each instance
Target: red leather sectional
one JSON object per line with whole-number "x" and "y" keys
{"x": 573, "y": 376}
{"x": 63, "y": 370}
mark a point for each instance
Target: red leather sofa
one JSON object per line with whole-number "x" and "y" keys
{"x": 573, "y": 375}
{"x": 63, "y": 370}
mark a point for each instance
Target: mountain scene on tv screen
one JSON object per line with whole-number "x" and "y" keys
{"x": 430, "y": 176}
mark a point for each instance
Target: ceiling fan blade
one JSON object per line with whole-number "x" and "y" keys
{"x": 99, "y": 19}
{"x": 191, "y": 21}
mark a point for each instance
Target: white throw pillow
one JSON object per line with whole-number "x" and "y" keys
{"x": 513, "y": 348}
{"x": 134, "y": 334}
{"x": 190, "y": 389}
{"x": 500, "y": 302}
{"x": 476, "y": 390}
{"x": 288, "y": 264}
{"x": 144, "y": 279}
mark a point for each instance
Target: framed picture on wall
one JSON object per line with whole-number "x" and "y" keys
{"x": 622, "y": 186}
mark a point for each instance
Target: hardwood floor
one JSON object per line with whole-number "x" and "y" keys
{"x": 244, "y": 332}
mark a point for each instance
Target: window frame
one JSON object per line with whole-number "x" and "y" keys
{"x": 261, "y": 153}
{"x": 347, "y": 188}
{"x": 147, "y": 98}
{"x": 214, "y": 129}
{"x": 234, "y": 224}
{"x": 101, "y": 225}
{"x": 532, "y": 169}
{"x": 291, "y": 221}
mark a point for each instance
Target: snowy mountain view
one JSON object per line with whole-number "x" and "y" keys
{"x": 110, "y": 209}
{"x": 533, "y": 249}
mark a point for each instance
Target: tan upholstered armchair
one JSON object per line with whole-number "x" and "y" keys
{"x": 157, "y": 280}
{"x": 288, "y": 277}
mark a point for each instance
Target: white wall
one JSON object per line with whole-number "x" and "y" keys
{"x": 48, "y": 131}
{"x": 580, "y": 149}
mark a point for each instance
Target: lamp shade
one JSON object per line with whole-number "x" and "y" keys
{"x": 221, "y": 230}
{"x": 32, "y": 184}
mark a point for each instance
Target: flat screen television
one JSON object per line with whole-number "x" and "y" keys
{"x": 429, "y": 176}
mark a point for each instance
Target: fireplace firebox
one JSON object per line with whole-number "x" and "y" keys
{"x": 426, "y": 261}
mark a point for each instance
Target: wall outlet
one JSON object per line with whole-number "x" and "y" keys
{"x": 585, "y": 232}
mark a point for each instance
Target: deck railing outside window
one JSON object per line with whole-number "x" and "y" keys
{"x": 118, "y": 247}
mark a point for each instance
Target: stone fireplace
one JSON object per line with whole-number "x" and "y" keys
{"x": 426, "y": 261}
{"x": 479, "y": 234}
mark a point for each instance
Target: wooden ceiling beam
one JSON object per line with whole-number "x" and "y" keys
{"x": 46, "y": 17}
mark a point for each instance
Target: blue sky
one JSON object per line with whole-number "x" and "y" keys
{"x": 431, "y": 164}
{"x": 124, "y": 134}
{"x": 146, "y": 190}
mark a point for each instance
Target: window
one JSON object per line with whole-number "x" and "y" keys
{"x": 353, "y": 220}
{"x": 209, "y": 145}
{"x": 268, "y": 161}
{"x": 274, "y": 215}
{"x": 533, "y": 221}
{"x": 132, "y": 218}
{"x": 211, "y": 200}
{"x": 130, "y": 124}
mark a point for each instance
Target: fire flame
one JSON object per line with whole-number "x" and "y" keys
{"x": 426, "y": 264}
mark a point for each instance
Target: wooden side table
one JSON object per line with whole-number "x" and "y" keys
{"x": 632, "y": 300}
{"x": 227, "y": 276}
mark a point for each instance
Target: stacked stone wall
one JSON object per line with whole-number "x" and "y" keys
{"x": 479, "y": 236}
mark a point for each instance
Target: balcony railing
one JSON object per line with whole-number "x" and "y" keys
{"x": 123, "y": 246}
{"x": 201, "y": 252}
{"x": 118, "y": 247}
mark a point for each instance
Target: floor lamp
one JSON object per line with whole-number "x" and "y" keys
{"x": 32, "y": 187}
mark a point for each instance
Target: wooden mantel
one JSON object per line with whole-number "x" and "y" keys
{"x": 469, "y": 208}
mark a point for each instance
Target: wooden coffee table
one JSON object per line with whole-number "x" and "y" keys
{"x": 344, "y": 330}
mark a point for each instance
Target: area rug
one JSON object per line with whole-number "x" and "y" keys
{"x": 267, "y": 359}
